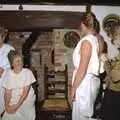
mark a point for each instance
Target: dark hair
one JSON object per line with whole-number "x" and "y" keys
{"x": 97, "y": 26}
{"x": 11, "y": 56}
{"x": 90, "y": 21}
{"x": 105, "y": 48}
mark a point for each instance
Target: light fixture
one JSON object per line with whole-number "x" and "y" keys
{"x": 20, "y": 7}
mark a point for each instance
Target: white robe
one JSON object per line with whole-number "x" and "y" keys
{"x": 4, "y": 63}
{"x": 17, "y": 82}
{"x": 87, "y": 91}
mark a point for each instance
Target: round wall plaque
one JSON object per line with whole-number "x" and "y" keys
{"x": 71, "y": 39}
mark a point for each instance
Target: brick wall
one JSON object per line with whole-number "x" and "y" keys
{"x": 63, "y": 54}
{"x": 41, "y": 54}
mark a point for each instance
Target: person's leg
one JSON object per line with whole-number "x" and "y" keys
{"x": 76, "y": 114}
{"x": 109, "y": 105}
{"x": 118, "y": 106}
{"x": 97, "y": 105}
{"x": 75, "y": 111}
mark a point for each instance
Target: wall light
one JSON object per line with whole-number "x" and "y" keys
{"x": 20, "y": 7}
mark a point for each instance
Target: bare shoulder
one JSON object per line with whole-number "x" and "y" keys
{"x": 100, "y": 38}
{"x": 86, "y": 46}
{"x": 101, "y": 42}
{"x": 86, "y": 43}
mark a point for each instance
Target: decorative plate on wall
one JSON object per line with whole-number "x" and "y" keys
{"x": 71, "y": 39}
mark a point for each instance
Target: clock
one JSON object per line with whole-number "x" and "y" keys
{"x": 71, "y": 39}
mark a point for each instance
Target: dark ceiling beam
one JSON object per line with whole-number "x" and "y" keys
{"x": 66, "y": 2}
{"x": 39, "y": 20}
{"x": 31, "y": 29}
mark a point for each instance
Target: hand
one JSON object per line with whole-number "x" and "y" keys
{"x": 73, "y": 94}
{"x": 104, "y": 57}
{"x": 1, "y": 71}
{"x": 12, "y": 109}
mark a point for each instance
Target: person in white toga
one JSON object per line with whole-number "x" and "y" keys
{"x": 19, "y": 93}
{"x": 4, "y": 63}
{"x": 85, "y": 81}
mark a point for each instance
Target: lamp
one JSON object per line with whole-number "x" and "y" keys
{"x": 20, "y": 7}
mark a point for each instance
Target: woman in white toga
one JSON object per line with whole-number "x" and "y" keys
{"x": 85, "y": 82}
{"x": 4, "y": 64}
{"x": 19, "y": 94}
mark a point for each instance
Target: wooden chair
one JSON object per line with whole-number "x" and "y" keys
{"x": 56, "y": 105}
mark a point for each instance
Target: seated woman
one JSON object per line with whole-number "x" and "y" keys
{"x": 19, "y": 94}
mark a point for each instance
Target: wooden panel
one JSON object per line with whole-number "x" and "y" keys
{"x": 20, "y": 20}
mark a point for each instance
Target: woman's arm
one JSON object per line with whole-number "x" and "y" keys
{"x": 101, "y": 43}
{"x": 85, "y": 52}
{"x": 8, "y": 95}
{"x": 23, "y": 95}
{"x": 13, "y": 107}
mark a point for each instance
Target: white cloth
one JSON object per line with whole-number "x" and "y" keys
{"x": 4, "y": 50}
{"x": 87, "y": 91}
{"x": 94, "y": 63}
{"x": 4, "y": 63}
{"x": 85, "y": 97}
{"x": 17, "y": 82}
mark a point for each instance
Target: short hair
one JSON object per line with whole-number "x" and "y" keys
{"x": 97, "y": 26}
{"x": 11, "y": 56}
{"x": 105, "y": 48}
